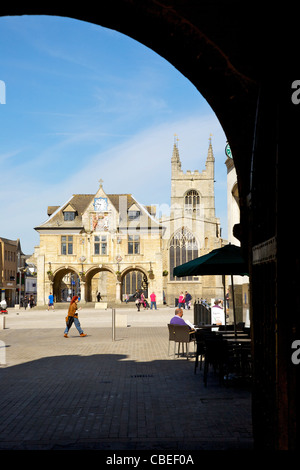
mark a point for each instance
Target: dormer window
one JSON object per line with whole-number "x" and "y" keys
{"x": 69, "y": 215}
{"x": 134, "y": 212}
{"x": 133, "y": 215}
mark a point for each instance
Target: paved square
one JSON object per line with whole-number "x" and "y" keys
{"x": 121, "y": 393}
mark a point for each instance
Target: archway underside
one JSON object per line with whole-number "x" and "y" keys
{"x": 230, "y": 51}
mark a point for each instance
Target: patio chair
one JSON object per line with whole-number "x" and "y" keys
{"x": 183, "y": 336}
{"x": 200, "y": 348}
{"x": 216, "y": 354}
{"x": 171, "y": 336}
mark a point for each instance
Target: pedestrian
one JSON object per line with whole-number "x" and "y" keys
{"x": 217, "y": 313}
{"x": 50, "y": 301}
{"x": 25, "y": 302}
{"x": 98, "y": 297}
{"x": 143, "y": 301}
{"x": 137, "y": 296}
{"x": 181, "y": 300}
{"x": 187, "y": 299}
{"x": 153, "y": 301}
{"x": 227, "y": 300}
{"x": 72, "y": 317}
{"x": 31, "y": 301}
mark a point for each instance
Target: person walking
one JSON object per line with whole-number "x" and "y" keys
{"x": 31, "y": 301}
{"x": 181, "y": 300}
{"x": 153, "y": 301}
{"x": 51, "y": 301}
{"x": 137, "y": 296}
{"x": 72, "y": 317}
{"x": 188, "y": 299}
{"x": 143, "y": 301}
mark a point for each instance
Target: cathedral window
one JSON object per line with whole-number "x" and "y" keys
{"x": 133, "y": 281}
{"x": 183, "y": 248}
{"x": 192, "y": 201}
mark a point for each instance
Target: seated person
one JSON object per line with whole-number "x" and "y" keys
{"x": 178, "y": 320}
{"x": 217, "y": 313}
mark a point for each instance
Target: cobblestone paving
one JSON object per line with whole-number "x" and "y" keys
{"x": 99, "y": 393}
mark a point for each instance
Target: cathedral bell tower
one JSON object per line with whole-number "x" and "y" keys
{"x": 192, "y": 228}
{"x": 193, "y": 192}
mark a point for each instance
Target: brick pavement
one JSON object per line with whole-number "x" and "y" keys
{"x": 96, "y": 393}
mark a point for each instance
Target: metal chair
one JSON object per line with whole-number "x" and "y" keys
{"x": 216, "y": 354}
{"x": 183, "y": 335}
{"x": 171, "y": 336}
{"x": 200, "y": 348}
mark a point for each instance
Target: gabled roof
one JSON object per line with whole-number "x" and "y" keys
{"x": 15, "y": 243}
{"x": 115, "y": 199}
{"x": 80, "y": 202}
{"x": 69, "y": 208}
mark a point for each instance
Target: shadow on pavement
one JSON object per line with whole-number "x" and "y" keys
{"x": 108, "y": 402}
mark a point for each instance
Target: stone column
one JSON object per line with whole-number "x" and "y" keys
{"x": 118, "y": 292}
{"x": 82, "y": 292}
{"x": 41, "y": 280}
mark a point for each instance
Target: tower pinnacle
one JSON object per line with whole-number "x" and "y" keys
{"x": 175, "y": 160}
{"x": 210, "y": 154}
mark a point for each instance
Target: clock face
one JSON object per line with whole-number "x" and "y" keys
{"x": 100, "y": 203}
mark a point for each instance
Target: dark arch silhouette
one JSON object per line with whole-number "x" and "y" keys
{"x": 242, "y": 59}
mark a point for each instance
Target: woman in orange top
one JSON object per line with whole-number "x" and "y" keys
{"x": 73, "y": 317}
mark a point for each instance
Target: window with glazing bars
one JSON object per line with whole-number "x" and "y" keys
{"x": 133, "y": 244}
{"x": 100, "y": 245}
{"x": 67, "y": 245}
{"x": 183, "y": 247}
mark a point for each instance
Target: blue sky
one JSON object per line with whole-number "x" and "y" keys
{"x": 84, "y": 102}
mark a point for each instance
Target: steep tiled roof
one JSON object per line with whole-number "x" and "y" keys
{"x": 80, "y": 202}
{"x": 56, "y": 220}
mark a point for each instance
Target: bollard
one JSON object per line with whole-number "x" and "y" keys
{"x": 3, "y": 322}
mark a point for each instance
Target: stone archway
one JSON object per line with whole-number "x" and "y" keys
{"x": 101, "y": 280}
{"x": 133, "y": 279}
{"x": 66, "y": 283}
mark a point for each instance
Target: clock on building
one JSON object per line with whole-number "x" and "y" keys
{"x": 100, "y": 203}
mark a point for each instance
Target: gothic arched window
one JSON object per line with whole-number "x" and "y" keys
{"x": 192, "y": 201}
{"x": 183, "y": 248}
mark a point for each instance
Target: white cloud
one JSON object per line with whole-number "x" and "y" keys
{"x": 141, "y": 165}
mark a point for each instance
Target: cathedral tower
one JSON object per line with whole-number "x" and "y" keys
{"x": 192, "y": 228}
{"x": 193, "y": 192}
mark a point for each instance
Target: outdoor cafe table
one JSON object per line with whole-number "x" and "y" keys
{"x": 241, "y": 350}
{"x": 239, "y": 346}
{"x": 216, "y": 328}
{"x": 225, "y": 333}
{"x": 238, "y": 339}
{"x": 233, "y": 335}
